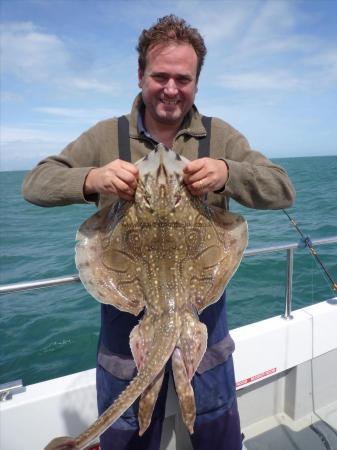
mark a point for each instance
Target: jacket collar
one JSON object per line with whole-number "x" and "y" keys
{"x": 192, "y": 124}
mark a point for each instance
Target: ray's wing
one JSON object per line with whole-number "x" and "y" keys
{"x": 108, "y": 258}
{"x": 216, "y": 245}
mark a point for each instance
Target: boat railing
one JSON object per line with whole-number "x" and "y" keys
{"x": 289, "y": 248}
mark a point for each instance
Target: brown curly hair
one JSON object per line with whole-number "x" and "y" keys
{"x": 170, "y": 29}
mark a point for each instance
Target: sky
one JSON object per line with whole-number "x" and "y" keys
{"x": 270, "y": 70}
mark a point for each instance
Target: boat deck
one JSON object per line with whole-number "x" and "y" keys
{"x": 281, "y": 433}
{"x": 295, "y": 410}
{"x": 274, "y": 431}
{"x": 290, "y": 409}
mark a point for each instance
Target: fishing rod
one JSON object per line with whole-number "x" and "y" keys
{"x": 309, "y": 244}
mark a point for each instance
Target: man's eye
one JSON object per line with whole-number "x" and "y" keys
{"x": 183, "y": 80}
{"x": 159, "y": 78}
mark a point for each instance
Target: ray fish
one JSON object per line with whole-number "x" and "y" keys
{"x": 167, "y": 253}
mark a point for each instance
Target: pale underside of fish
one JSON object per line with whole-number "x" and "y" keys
{"x": 167, "y": 253}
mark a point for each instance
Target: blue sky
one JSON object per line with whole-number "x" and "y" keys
{"x": 271, "y": 70}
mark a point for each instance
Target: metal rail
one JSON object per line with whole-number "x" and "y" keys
{"x": 289, "y": 248}
{"x": 7, "y": 389}
{"x": 37, "y": 284}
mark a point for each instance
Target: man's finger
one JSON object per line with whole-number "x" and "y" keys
{"x": 128, "y": 178}
{"x": 129, "y": 167}
{"x": 194, "y": 166}
{"x": 122, "y": 187}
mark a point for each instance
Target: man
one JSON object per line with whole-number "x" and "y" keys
{"x": 171, "y": 55}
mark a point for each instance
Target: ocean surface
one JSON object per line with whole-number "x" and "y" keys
{"x": 53, "y": 332}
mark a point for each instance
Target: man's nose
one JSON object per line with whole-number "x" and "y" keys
{"x": 171, "y": 88}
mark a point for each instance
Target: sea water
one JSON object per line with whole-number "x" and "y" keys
{"x": 47, "y": 333}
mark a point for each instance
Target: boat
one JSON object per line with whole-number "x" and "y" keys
{"x": 286, "y": 371}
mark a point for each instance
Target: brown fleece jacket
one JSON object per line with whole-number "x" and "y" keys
{"x": 254, "y": 181}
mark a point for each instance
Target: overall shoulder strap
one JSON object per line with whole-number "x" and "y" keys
{"x": 204, "y": 143}
{"x": 124, "y": 139}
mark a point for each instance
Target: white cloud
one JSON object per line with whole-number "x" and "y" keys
{"x": 29, "y": 53}
{"x": 94, "y": 85}
{"x": 23, "y": 147}
{"x": 8, "y": 96}
{"x": 272, "y": 18}
{"x": 268, "y": 53}
{"x": 219, "y": 27}
{"x": 23, "y": 155}
{"x": 78, "y": 114}
{"x": 324, "y": 64}
{"x": 240, "y": 25}
{"x": 25, "y": 134}
{"x": 72, "y": 113}
{"x": 264, "y": 47}
{"x": 276, "y": 80}
{"x": 34, "y": 56}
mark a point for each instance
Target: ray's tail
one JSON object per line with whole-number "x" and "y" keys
{"x": 164, "y": 344}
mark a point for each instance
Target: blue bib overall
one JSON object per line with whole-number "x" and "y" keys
{"x": 217, "y": 422}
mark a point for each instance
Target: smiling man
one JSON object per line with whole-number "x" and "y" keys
{"x": 169, "y": 84}
{"x": 99, "y": 167}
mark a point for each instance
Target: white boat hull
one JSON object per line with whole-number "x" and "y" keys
{"x": 286, "y": 370}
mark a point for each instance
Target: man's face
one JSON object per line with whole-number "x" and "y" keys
{"x": 169, "y": 83}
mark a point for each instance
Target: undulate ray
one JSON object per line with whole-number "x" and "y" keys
{"x": 170, "y": 254}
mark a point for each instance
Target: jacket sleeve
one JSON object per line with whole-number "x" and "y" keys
{"x": 254, "y": 181}
{"x": 59, "y": 180}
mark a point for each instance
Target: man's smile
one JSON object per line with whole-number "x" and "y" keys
{"x": 168, "y": 101}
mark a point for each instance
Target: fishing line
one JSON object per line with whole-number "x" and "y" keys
{"x": 307, "y": 241}
{"x": 323, "y": 433}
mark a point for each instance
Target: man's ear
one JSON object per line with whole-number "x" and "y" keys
{"x": 140, "y": 78}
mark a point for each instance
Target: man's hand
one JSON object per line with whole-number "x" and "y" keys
{"x": 205, "y": 175}
{"x": 118, "y": 177}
